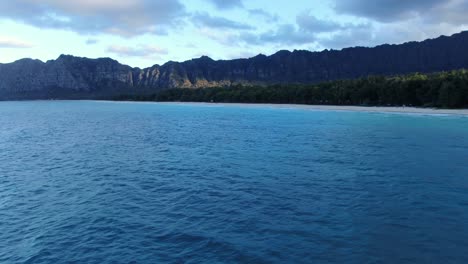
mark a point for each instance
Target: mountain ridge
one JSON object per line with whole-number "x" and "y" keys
{"x": 258, "y": 55}
{"x": 72, "y": 77}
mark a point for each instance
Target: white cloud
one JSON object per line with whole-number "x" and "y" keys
{"x": 206, "y": 20}
{"x": 143, "y": 51}
{"x": 223, "y": 37}
{"x": 10, "y": 42}
{"x": 227, "y": 4}
{"x": 120, "y": 17}
{"x": 271, "y": 18}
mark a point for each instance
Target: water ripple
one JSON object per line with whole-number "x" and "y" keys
{"x": 91, "y": 182}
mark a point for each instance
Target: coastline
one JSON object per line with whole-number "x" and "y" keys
{"x": 369, "y": 109}
{"x": 340, "y": 108}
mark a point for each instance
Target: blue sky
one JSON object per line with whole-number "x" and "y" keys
{"x": 146, "y": 32}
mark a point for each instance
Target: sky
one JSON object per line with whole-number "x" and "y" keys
{"x": 142, "y": 33}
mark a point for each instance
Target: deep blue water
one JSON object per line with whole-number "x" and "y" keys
{"x": 97, "y": 182}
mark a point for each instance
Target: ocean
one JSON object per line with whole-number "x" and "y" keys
{"x": 105, "y": 182}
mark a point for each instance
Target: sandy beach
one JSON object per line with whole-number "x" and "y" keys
{"x": 372, "y": 109}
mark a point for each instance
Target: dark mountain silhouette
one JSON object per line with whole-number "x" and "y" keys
{"x": 73, "y": 77}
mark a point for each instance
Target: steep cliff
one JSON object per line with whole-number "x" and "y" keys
{"x": 73, "y": 77}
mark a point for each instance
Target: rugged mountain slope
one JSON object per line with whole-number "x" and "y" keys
{"x": 73, "y": 77}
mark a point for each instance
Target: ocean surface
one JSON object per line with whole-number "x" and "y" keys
{"x": 103, "y": 182}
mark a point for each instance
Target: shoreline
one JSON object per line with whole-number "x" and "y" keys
{"x": 368, "y": 109}
{"x": 340, "y": 108}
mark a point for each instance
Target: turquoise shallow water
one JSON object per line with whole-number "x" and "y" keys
{"x": 98, "y": 182}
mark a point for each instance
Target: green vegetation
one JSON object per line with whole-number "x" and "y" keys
{"x": 444, "y": 90}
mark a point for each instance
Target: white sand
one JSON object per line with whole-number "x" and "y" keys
{"x": 402, "y": 110}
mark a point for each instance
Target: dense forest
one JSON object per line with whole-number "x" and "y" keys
{"x": 443, "y": 90}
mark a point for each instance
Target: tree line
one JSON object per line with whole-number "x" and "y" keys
{"x": 443, "y": 90}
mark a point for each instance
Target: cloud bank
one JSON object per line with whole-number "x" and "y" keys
{"x": 234, "y": 25}
{"x": 119, "y": 17}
